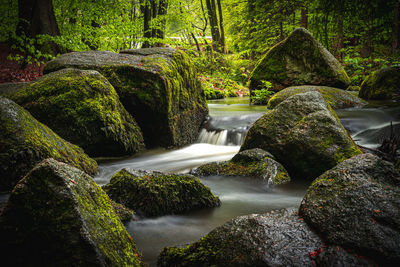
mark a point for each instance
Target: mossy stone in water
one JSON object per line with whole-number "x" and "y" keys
{"x": 255, "y": 163}
{"x": 153, "y": 193}
{"x": 298, "y": 60}
{"x": 356, "y": 205}
{"x": 159, "y": 87}
{"x": 24, "y": 142}
{"x": 304, "y": 134}
{"x": 277, "y": 238}
{"x": 83, "y": 108}
{"x": 58, "y": 216}
{"x": 383, "y": 84}
{"x": 336, "y": 98}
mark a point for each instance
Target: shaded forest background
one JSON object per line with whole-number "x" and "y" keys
{"x": 224, "y": 37}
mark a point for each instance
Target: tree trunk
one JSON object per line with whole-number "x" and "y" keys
{"x": 396, "y": 28}
{"x": 304, "y": 18}
{"x": 146, "y": 11}
{"x": 162, "y": 11}
{"x": 212, "y": 17}
{"x": 37, "y": 17}
{"x": 221, "y": 27}
{"x": 197, "y": 43}
{"x": 154, "y": 13}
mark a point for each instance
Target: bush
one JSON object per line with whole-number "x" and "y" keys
{"x": 261, "y": 97}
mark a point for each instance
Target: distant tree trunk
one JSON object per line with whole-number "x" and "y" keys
{"x": 146, "y": 11}
{"x": 162, "y": 11}
{"x": 304, "y": 18}
{"x": 37, "y": 17}
{"x": 396, "y": 28}
{"x": 281, "y": 37}
{"x": 195, "y": 40}
{"x": 221, "y": 26}
{"x": 339, "y": 44}
{"x": 212, "y": 17}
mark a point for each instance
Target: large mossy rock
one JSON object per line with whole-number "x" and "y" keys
{"x": 304, "y": 134}
{"x": 24, "y": 142}
{"x": 356, "y": 205}
{"x": 9, "y": 89}
{"x": 336, "y": 98}
{"x": 383, "y": 84}
{"x": 151, "y": 193}
{"x": 157, "y": 86}
{"x": 277, "y": 238}
{"x": 82, "y": 107}
{"x": 254, "y": 162}
{"x": 58, "y": 216}
{"x": 298, "y": 60}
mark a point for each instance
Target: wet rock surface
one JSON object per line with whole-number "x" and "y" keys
{"x": 298, "y": 60}
{"x": 304, "y": 134}
{"x": 24, "y": 142}
{"x": 255, "y": 163}
{"x": 277, "y": 238}
{"x": 58, "y": 216}
{"x": 336, "y": 98}
{"x": 158, "y": 87}
{"x": 151, "y": 193}
{"x": 383, "y": 84}
{"x": 356, "y": 205}
{"x": 83, "y": 108}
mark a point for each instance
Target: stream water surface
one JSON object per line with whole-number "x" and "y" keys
{"x": 220, "y": 140}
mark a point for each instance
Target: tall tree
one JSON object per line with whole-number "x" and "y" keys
{"x": 221, "y": 26}
{"x": 37, "y": 17}
{"x": 212, "y": 18}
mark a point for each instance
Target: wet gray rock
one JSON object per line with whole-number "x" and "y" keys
{"x": 157, "y": 86}
{"x": 298, "y": 60}
{"x": 58, "y": 216}
{"x": 277, "y": 238}
{"x": 151, "y": 193}
{"x": 335, "y": 256}
{"x": 255, "y": 163}
{"x": 304, "y": 134}
{"x": 9, "y": 89}
{"x": 356, "y": 205}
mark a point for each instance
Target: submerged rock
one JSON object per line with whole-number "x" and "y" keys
{"x": 24, "y": 142}
{"x": 158, "y": 87}
{"x": 383, "y": 84}
{"x": 304, "y": 134}
{"x": 151, "y": 193}
{"x": 83, "y": 108}
{"x": 356, "y": 205}
{"x": 277, "y": 238}
{"x": 255, "y": 163}
{"x": 335, "y": 97}
{"x": 58, "y": 216}
{"x": 298, "y": 60}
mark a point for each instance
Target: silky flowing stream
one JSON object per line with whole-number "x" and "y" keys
{"x": 220, "y": 140}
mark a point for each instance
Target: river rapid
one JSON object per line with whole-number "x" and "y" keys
{"x": 219, "y": 140}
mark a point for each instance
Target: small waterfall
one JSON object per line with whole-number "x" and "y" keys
{"x": 226, "y": 131}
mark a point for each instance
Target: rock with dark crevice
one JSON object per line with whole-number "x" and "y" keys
{"x": 356, "y": 205}
{"x": 58, "y": 216}
{"x": 158, "y": 87}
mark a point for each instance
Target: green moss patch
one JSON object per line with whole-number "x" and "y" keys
{"x": 154, "y": 193}
{"x": 24, "y": 142}
{"x": 58, "y": 216}
{"x": 298, "y": 60}
{"x": 335, "y": 97}
{"x": 83, "y": 107}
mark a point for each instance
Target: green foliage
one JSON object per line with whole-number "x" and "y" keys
{"x": 261, "y": 97}
{"x": 217, "y": 88}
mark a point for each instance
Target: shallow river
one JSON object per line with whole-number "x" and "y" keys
{"x": 220, "y": 140}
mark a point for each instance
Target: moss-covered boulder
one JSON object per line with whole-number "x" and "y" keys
{"x": 123, "y": 212}
{"x": 335, "y": 97}
{"x": 157, "y": 86}
{"x": 24, "y": 142}
{"x": 277, "y": 238}
{"x": 58, "y": 216}
{"x": 304, "y": 134}
{"x": 298, "y": 60}
{"x": 82, "y": 107}
{"x": 254, "y": 162}
{"x": 9, "y": 89}
{"x": 383, "y": 84}
{"x": 151, "y": 193}
{"x": 356, "y": 205}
